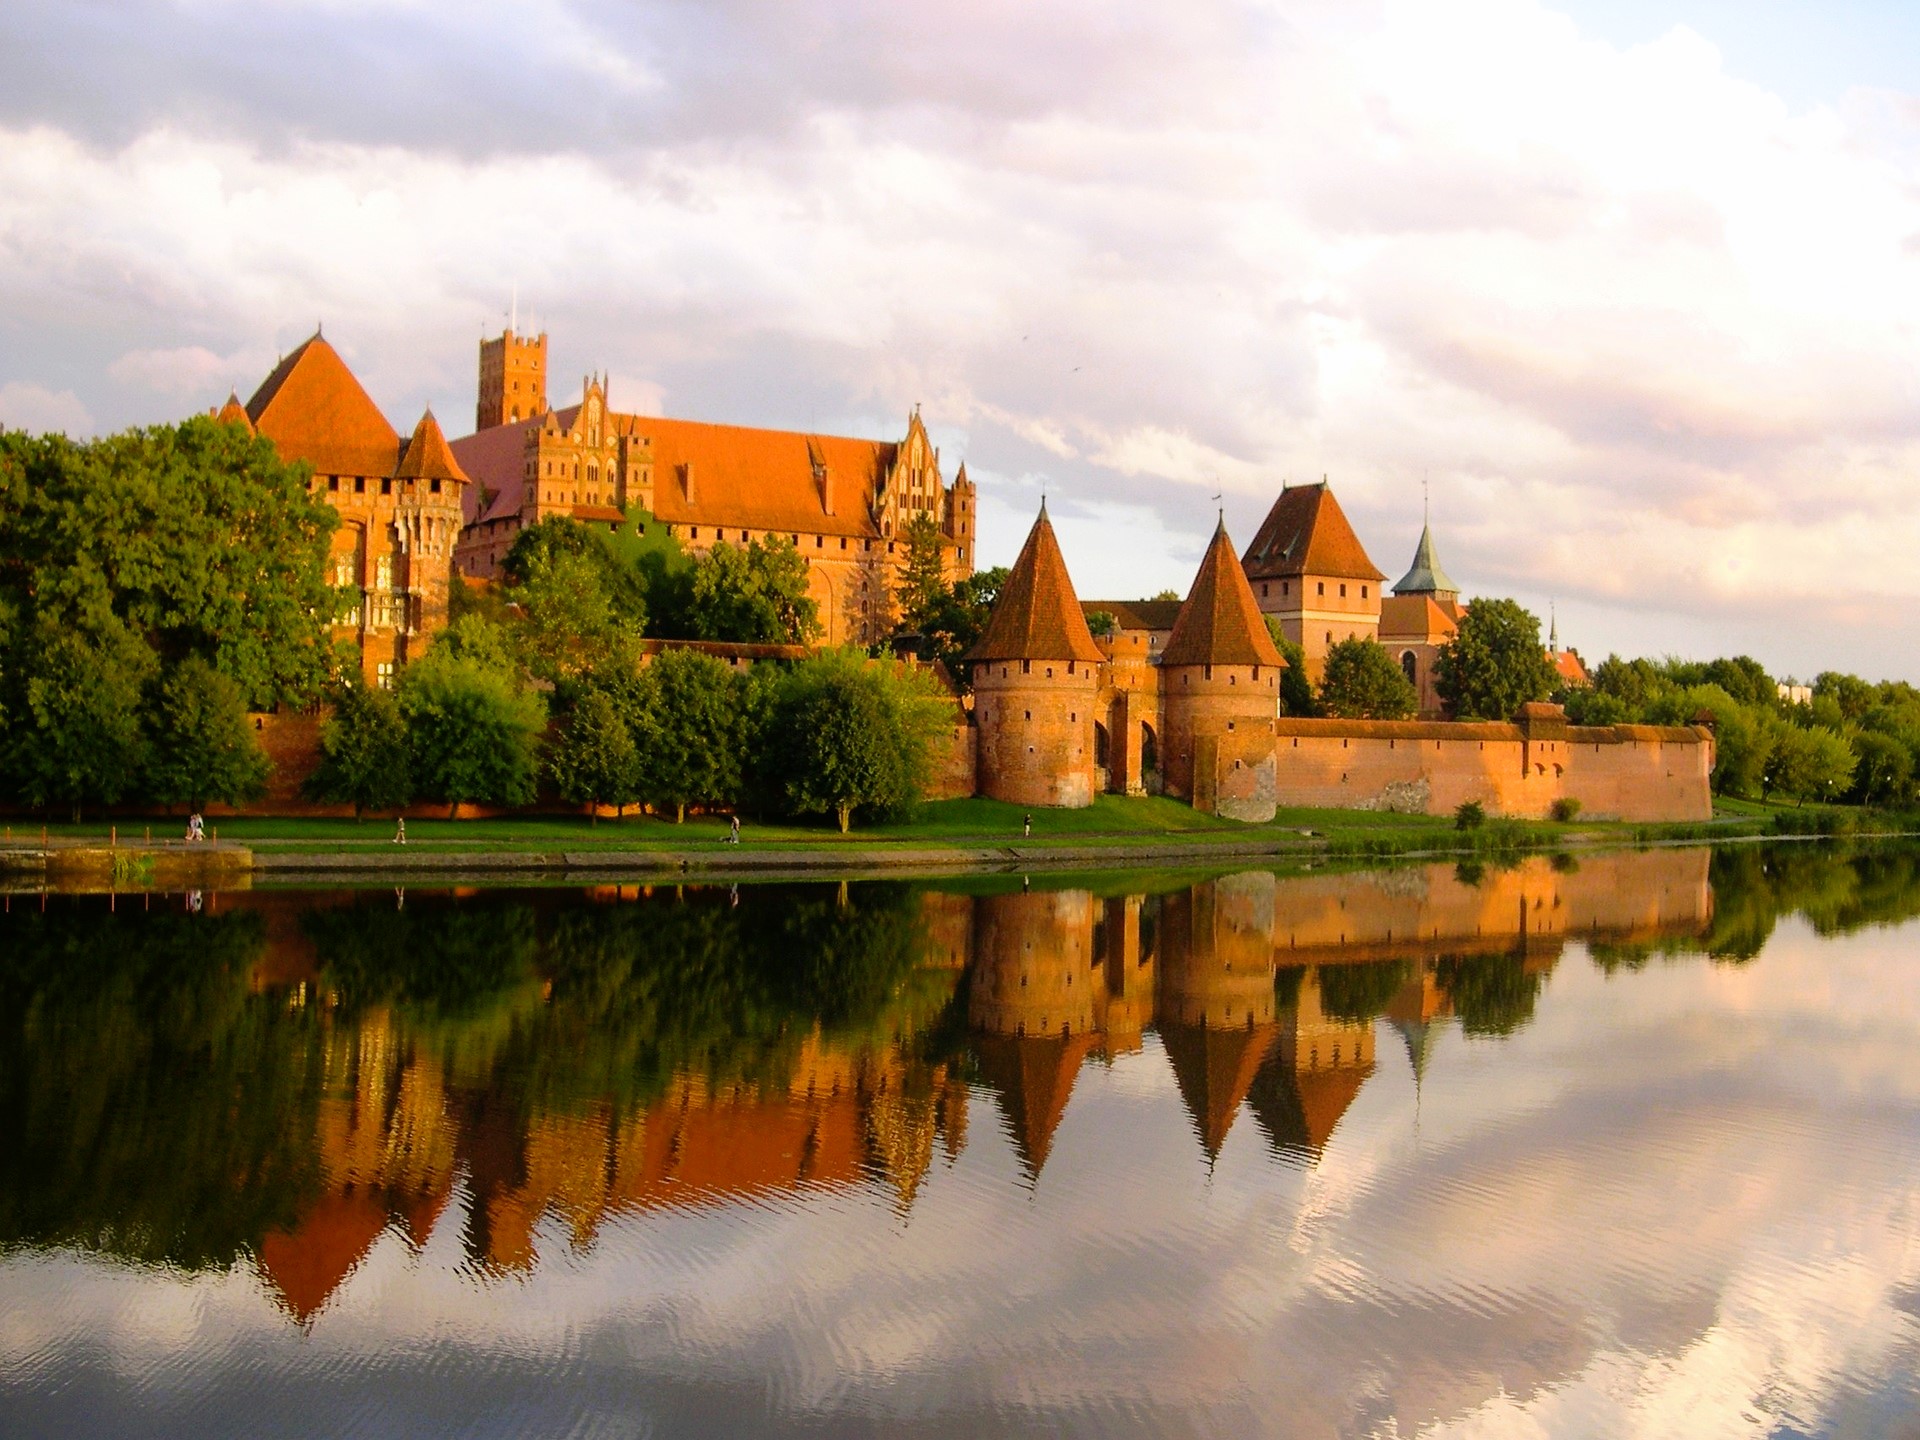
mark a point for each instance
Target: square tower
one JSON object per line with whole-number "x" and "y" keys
{"x": 513, "y": 380}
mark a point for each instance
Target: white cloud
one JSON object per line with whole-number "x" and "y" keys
{"x": 34, "y": 407}
{"x": 1645, "y": 326}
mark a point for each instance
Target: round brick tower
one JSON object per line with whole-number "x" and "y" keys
{"x": 1220, "y": 689}
{"x": 1036, "y": 672}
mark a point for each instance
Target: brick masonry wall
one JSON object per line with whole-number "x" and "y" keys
{"x": 1218, "y": 743}
{"x": 1035, "y": 731}
{"x": 1628, "y": 772}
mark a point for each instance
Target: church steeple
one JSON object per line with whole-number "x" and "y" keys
{"x": 1426, "y": 577}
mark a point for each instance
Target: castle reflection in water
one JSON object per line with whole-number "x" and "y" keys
{"x": 558, "y": 1060}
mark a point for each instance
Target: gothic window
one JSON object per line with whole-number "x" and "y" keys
{"x": 1410, "y": 666}
{"x": 383, "y": 573}
{"x": 383, "y": 675}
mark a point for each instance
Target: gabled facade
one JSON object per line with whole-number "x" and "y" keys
{"x": 843, "y": 503}
{"x": 399, "y": 502}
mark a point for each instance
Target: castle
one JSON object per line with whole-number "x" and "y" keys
{"x": 843, "y": 503}
{"x": 1177, "y": 699}
{"x": 1184, "y": 700}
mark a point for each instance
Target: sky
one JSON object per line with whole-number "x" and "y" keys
{"x": 1629, "y": 288}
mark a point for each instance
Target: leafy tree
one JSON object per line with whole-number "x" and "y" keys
{"x": 202, "y": 747}
{"x": 1852, "y": 695}
{"x": 690, "y": 732}
{"x": 76, "y": 738}
{"x": 1886, "y": 770}
{"x": 754, "y": 594}
{"x": 1810, "y": 764}
{"x": 1745, "y": 679}
{"x": 1102, "y": 623}
{"x": 1495, "y": 663}
{"x": 594, "y": 761}
{"x": 1587, "y": 705}
{"x": 196, "y": 536}
{"x": 958, "y": 618}
{"x": 364, "y": 755}
{"x": 1296, "y": 690}
{"x": 613, "y": 559}
{"x": 569, "y": 623}
{"x": 1362, "y": 682}
{"x": 922, "y": 585}
{"x": 1165, "y": 595}
{"x": 848, "y": 734}
{"x": 473, "y": 732}
{"x": 1361, "y": 993}
{"x": 1492, "y": 994}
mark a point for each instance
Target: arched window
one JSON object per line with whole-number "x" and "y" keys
{"x": 1100, "y": 745}
{"x": 1411, "y": 668}
{"x": 1149, "y": 748}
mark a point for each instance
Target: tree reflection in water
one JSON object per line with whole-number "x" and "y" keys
{"x": 289, "y": 1078}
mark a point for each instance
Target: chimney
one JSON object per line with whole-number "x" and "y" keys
{"x": 826, "y": 489}
{"x": 686, "y": 476}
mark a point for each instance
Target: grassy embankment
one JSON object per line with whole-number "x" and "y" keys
{"x": 1112, "y": 821}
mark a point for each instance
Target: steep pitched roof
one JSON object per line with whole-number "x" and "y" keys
{"x": 1306, "y": 533}
{"x": 1220, "y": 624}
{"x": 1419, "y": 618}
{"x": 1300, "y": 1110}
{"x": 1426, "y": 577}
{"x": 755, "y": 479}
{"x": 1037, "y": 616}
{"x": 428, "y": 456}
{"x": 234, "y": 413}
{"x": 313, "y": 409}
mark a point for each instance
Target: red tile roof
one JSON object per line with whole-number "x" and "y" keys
{"x": 234, "y": 413}
{"x": 770, "y": 480}
{"x": 1306, "y": 533}
{"x": 1037, "y": 616}
{"x": 1215, "y": 1068}
{"x": 1571, "y": 669}
{"x": 313, "y": 409}
{"x": 428, "y": 456}
{"x": 1220, "y": 624}
{"x": 1419, "y": 617}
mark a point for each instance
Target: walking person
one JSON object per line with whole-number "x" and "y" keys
{"x": 733, "y": 831}
{"x": 400, "y": 830}
{"x": 1026, "y": 826}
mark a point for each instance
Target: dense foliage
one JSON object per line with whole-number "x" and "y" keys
{"x": 1494, "y": 664}
{"x": 1363, "y": 682}
{"x": 154, "y": 585}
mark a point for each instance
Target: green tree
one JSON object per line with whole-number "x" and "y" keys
{"x": 594, "y": 761}
{"x": 568, "y": 622}
{"x": 613, "y": 558}
{"x": 195, "y": 536}
{"x": 1495, "y": 663}
{"x": 202, "y": 747}
{"x": 76, "y": 737}
{"x": 1296, "y": 690}
{"x": 922, "y": 584}
{"x": 690, "y": 731}
{"x": 1810, "y": 764}
{"x": 364, "y": 756}
{"x": 959, "y": 617}
{"x": 1102, "y": 624}
{"x": 473, "y": 732}
{"x": 849, "y": 734}
{"x": 1362, "y": 682}
{"x": 754, "y": 594}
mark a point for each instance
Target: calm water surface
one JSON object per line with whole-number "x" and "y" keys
{"x": 1623, "y": 1147}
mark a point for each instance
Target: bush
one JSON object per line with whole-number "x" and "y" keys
{"x": 1565, "y": 809}
{"x": 1469, "y": 815}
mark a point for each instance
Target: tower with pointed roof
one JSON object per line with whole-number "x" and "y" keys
{"x": 1308, "y": 567}
{"x": 1421, "y": 615}
{"x": 400, "y": 502}
{"x": 1036, "y": 676}
{"x": 1220, "y": 692}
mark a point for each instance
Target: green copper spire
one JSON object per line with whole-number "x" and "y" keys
{"x": 1426, "y": 577}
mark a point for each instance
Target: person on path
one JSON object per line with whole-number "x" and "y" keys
{"x": 733, "y": 832}
{"x": 196, "y": 827}
{"x": 1026, "y": 826}
{"x": 400, "y": 830}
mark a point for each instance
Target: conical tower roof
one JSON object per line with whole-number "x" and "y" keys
{"x": 313, "y": 409}
{"x": 1220, "y": 624}
{"x": 1426, "y": 577}
{"x": 1037, "y": 616}
{"x": 1032, "y": 1076}
{"x": 428, "y": 456}
{"x": 234, "y": 413}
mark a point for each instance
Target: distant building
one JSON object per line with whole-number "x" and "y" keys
{"x": 842, "y": 502}
{"x": 1794, "y": 694}
{"x": 1308, "y": 568}
{"x": 399, "y": 500}
{"x": 1421, "y": 615}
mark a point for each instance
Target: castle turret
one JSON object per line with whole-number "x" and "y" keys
{"x": 1035, "y": 675}
{"x": 513, "y": 380}
{"x": 1220, "y": 683}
